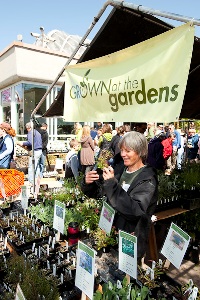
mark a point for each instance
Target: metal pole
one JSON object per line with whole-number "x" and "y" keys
{"x": 33, "y": 157}
{"x": 96, "y": 19}
{"x": 154, "y": 12}
{"x": 114, "y": 3}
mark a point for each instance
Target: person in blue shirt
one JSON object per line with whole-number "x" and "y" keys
{"x": 192, "y": 145}
{"x": 6, "y": 145}
{"x": 37, "y": 151}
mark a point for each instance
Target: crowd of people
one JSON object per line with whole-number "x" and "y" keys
{"x": 168, "y": 148}
{"x": 7, "y": 148}
{"x": 129, "y": 182}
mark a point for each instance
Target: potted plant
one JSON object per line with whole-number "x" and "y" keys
{"x": 102, "y": 241}
{"x": 5, "y": 207}
{"x": 103, "y": 160}
{"x": 121, "y": 290}
{"x": 21, "y": 271}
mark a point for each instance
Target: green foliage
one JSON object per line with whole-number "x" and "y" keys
{"x": 32, "y": 281}
{"x": 187, "y": 179}
{"x": 189, "y": 221}
{"x": 102, "y": 161}
{"x": 102, "y": 239}
{"x": 112, "y": 291}
{"x": 43, "y": 212}
{"x": 145, "y": 278}
{"x": 70, "y": 193}
{"x": 168, "y": 186}
{"x": 190, "y": 177}
{"x": 5, "y": 204}
{"x": 87, "y": 213}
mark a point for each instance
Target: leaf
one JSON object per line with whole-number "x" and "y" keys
{"x": 144, "y": 292}
{"x": 133, "y": 294}
{"x": 88, "y": 71}
{"x": 97, "y": 295}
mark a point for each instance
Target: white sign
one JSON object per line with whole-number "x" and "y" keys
{"x": 128, "y": 253}
{"x": 59, "y": 216}
{"x": 106, "y": 218}
{"x": 175, "y": 245}
{"x": 2, "y": 188}
{"x": 19, "y": 294}
{"x": 145, "y": 82}
{"x": 24, "y": 196}
{"x": 85, "y": 267}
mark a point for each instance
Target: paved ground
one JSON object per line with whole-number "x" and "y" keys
{"x": 188, "y": 270}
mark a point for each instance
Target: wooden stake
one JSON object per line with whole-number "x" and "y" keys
{"x": 128, "y": 278}
{"x": 83, "y": 296}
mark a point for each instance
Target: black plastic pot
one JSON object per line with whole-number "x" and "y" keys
{"x": 191, "y": 204}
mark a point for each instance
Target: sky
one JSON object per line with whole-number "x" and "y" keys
{"x": 73, "y": 16}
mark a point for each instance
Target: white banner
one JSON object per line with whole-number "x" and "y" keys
{"x": 145, "y": 82}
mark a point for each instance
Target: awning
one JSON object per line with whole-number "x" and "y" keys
{"x": 126, "y": 27}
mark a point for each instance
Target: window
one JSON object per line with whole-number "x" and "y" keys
{"x": 32, "y": 96}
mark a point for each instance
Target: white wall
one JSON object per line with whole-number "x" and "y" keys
{"x": 30, "y": 63}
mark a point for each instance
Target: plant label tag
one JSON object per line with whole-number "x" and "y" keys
{"x": 33, "y": 247}
{"x": 119, "y": 285}
{"x": 148, "y": 271}
{"x": 48, "y": 265}
{"x": 153, "y": 264}
{"x": 54, "y": 269}
{"x": 61, "y": 278}
{"x": 160, "y": 262}
{"x": 152, "y": 274}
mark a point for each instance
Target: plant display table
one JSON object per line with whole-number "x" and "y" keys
{"x": 153, "y": 249}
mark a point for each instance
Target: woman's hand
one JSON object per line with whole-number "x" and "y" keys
{"x": 91, "y": 176}
{"x": 108, "y": 173}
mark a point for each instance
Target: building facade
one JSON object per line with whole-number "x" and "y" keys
{"x": 27, "y": 72}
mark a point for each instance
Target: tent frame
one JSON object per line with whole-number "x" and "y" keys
{"x": 116, "y": 4}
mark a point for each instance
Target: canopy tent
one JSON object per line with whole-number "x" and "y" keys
{"x": 125, "y": 27}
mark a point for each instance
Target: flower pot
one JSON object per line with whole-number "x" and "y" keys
{"x": 6, "y": 210}
{"x": 99, "y": 171}
{"x": 73, "y": 233}
{"x": 191, "y": 203}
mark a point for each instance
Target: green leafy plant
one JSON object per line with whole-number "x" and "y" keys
{"x": 121, "y": 291}
{"x": 87, "y": 213}
{"x": 103, "y": 240}
{"x": 190, "y": 177}
{"x": 32, "y": 281}
{"x": 102, "y": 160}
{"x": 43, "y": 212}
{"x": 5, "y": 204}
{"x": 145, "y": 277}
{"x": 183, "y": 292}
{"x": 168, "y": 186}
{"x": 184, "y": 221}
{"x": 70, "y": 193}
